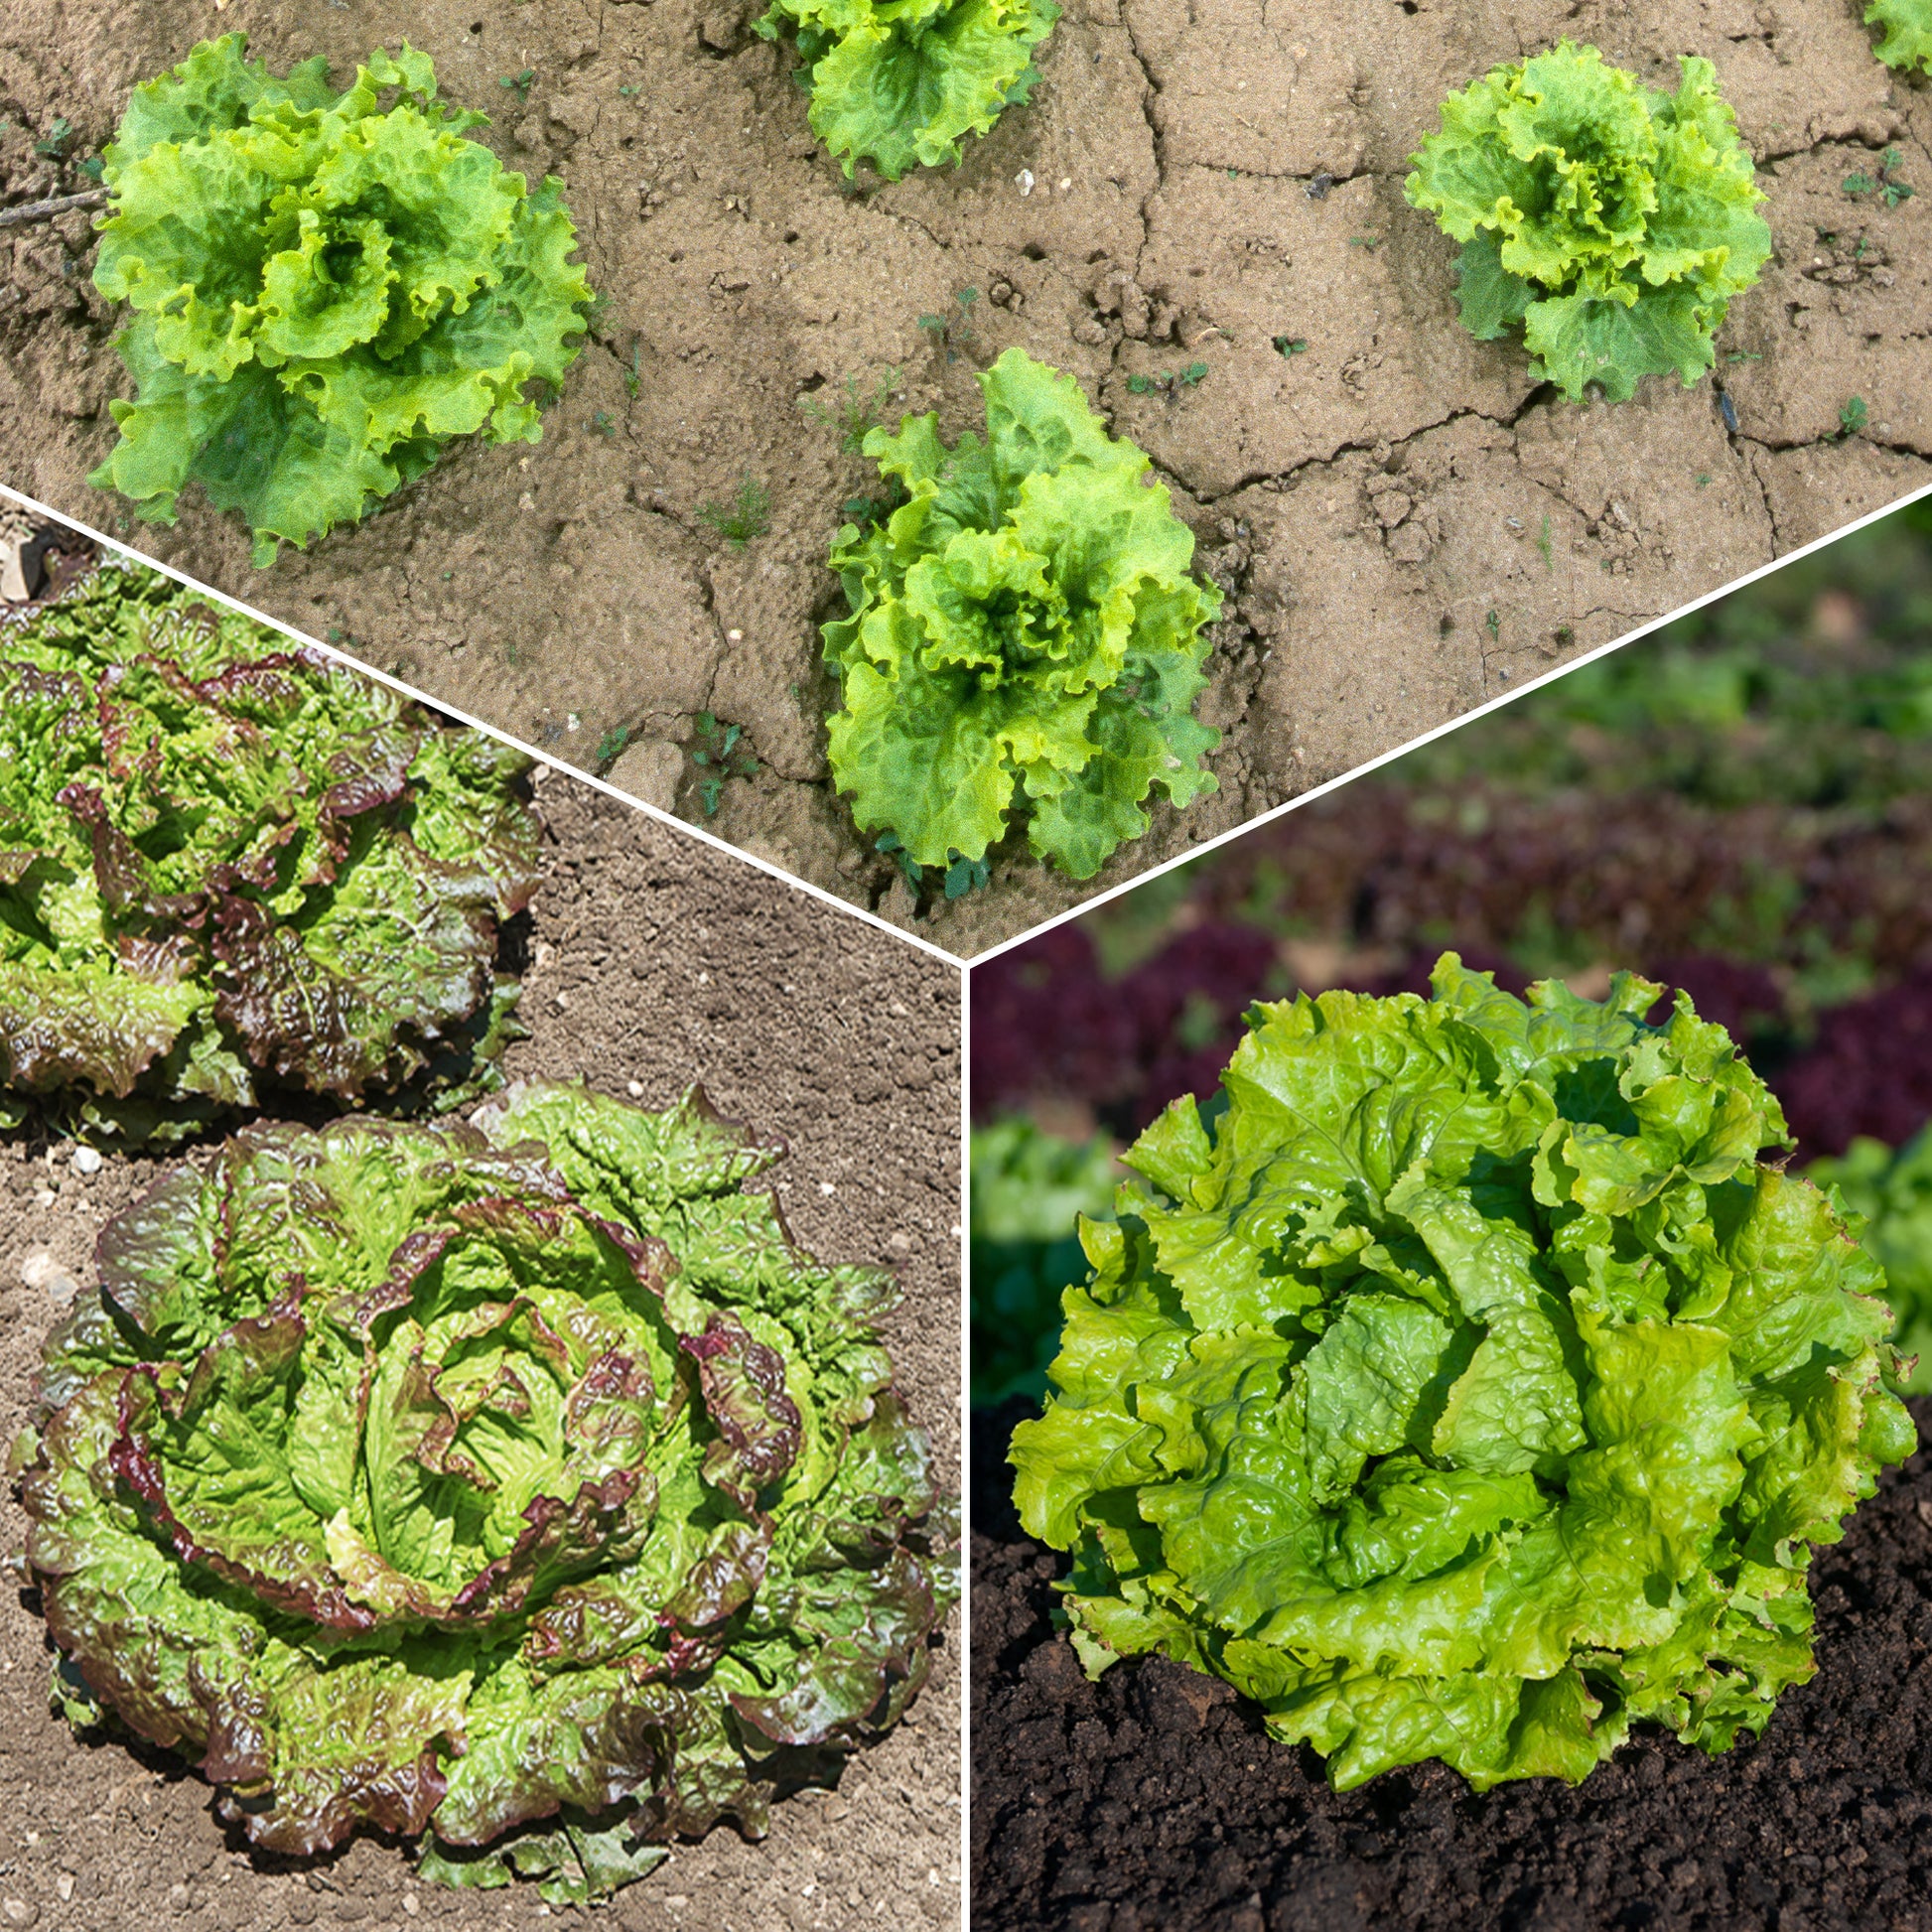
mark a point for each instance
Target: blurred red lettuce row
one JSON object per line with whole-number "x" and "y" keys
{"x": 229, "y": 866}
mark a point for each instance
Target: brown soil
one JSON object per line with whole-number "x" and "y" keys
{"x": 1405, "y": 524}
{"x": 656, "y": 962}
{"x": 1154, "y": 1798}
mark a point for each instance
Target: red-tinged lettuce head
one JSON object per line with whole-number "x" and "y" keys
{"x": 520, "y": 1477}
{"x": 1465, "y": 1386}
{"x": 229, "y": 865}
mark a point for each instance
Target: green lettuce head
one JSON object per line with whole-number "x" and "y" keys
{"x": 1464, "y": 1386}
{"x": 323, "y": 292}
{"x": 520, "y": 1483}
{"x": 231, "y": 866}
{"x": 1611, "y": 223}
{"x": 1024, "y": 636}
{"x": 1906, "y": 41}
{"x": 901, "y": 82}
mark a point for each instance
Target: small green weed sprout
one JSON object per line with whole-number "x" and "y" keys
{"x": 1162, "y": 384}
{"x": 719, "y": 752}
{"x": 852, "y": 413}
{"x": 1290, "y": 347}
{"x": 1853, "y": 417}
{"x": 748, "y": 515}
{"x": 952, "y": 332}
{"x": 519, "y": 82}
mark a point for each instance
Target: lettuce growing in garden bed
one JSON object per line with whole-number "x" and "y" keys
{"x": 899, "y": 83}
{"x": 1463, "y": 1385}
{"x": 229, "y": 866}
{"x": 1906, "y": 41}
{"x": 1023, "y": 637}
{"x": 1613, "y": 222}
{"x": 520, "y": 1483}
{"x": 1891, "y": 1193}
{"x": 323, "y": 292}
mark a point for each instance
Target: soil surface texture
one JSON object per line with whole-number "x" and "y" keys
{"x": 653, "y": 962}
{"x": 1154, "y": 1798}
{"x": 1403, "y": 521}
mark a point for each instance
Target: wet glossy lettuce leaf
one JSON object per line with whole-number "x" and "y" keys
{"x": 520, "y": 1483}
{"x": 1024, "y": 640}
{"x": 324, "y": 292}
{"x": 229, "y": 866}
{"x": 1613, "y": 222}
{"x": 901, "y": 82}
{"x": 1471, "y": 1389}
{"x": 1887, "y": 1196}
{"x": 1906, "y": 41}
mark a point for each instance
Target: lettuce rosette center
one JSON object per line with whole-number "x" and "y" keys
{"x": 453, "y": 1480}
{"x": 1465, "y": 1386}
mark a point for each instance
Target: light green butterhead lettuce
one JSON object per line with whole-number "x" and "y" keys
{"x": 901, "y": 82}
{"x": 1024, "y": 638}
{"x": 1469, "y": 1389}
{"x": 1611, "y": 223}
{"x": 325, "y": 293}
{"x": 521, "y": 1484}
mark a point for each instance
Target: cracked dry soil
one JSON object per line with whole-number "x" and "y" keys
{"x": 1405, "y": 523}
{"x": 650, "y": 960}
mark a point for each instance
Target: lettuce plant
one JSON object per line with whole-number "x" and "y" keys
{"x": 520, "y": 1483}
{"x": 1023, "y": 636}
{"x": 1906, "y": 41}
{"x": 1463, "y": 1385}
{"x": 1611, "y": 223}
{"x": 899, "y": 83}
{"x": 323, "y": 292}
{"x": 229, "y": 866}
{"x": 1889, "y": 1191}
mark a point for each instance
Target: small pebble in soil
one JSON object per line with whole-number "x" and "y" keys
{"x": 41, "y": 1272}
{"x": 87, "y": 1160}
{"x": 635, "y": 1088}
{"x": 735, "y": 637}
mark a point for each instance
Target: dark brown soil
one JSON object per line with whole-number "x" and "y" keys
{"x": 1404, "y": 524}
{"x": 1156, "y": 1799}
{"x": 653, "y": 962}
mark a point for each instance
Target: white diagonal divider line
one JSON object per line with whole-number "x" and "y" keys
{"x": 1443, "y": 729}
{"x": 463, "y": 717}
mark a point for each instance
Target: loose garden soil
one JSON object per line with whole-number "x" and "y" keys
{"x": 1405, "y": 523}
{"x": 651, "y": 962}
{"x": 1154, "y": 1798}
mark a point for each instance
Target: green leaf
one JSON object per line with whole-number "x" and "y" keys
{"x": 1475, "y": 1392}
{"x": 1906, "y": 41}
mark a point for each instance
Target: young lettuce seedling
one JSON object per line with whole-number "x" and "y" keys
{"x": 1611, "y": 223}
{"x": 1461, "y": 1384}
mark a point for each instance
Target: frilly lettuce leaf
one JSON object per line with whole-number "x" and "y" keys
{"x": 901, "y": 82}
{"x": 229, "y": 866}
{"x": 323, "y": 292}
{"x": 1906, "y": 42}
{"x": 1470, "y": 1390}
{"x": 1613, "y": 223}
{"x": 1024, "y": 638}
{"x": 519, "y": 1483}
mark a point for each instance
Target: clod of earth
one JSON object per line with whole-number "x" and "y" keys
{"x": 519, "y": 1483}
{"x": 325, "y": 295}
{"x": 1463, "y": 1385}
